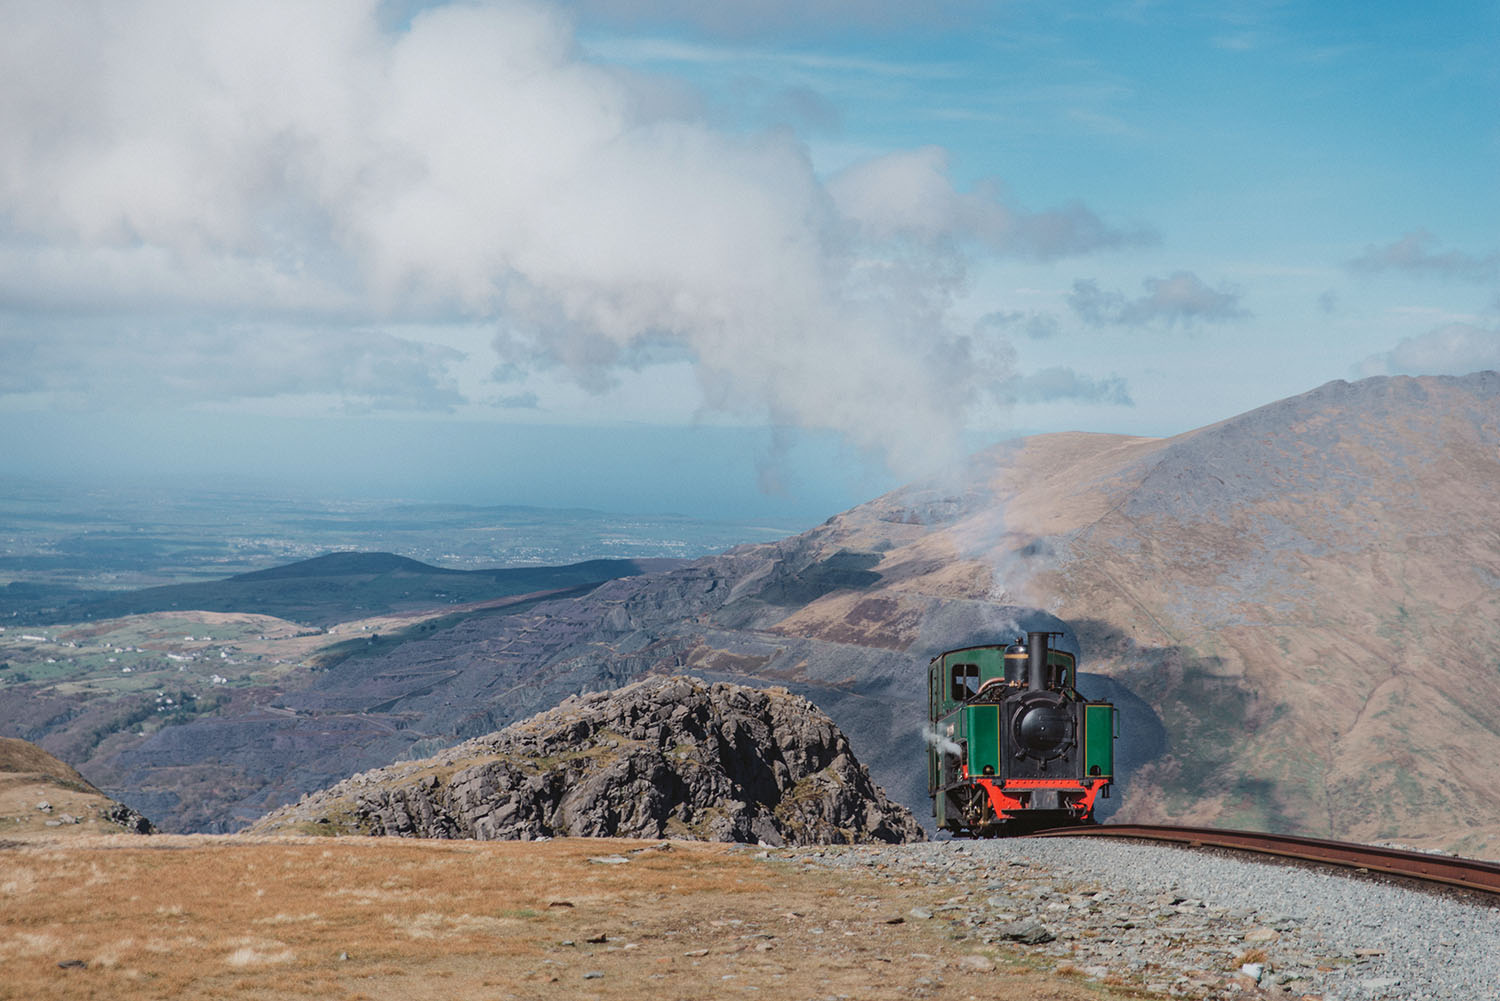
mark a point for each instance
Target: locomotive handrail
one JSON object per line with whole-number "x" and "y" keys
{"x": 1451, "y": 870}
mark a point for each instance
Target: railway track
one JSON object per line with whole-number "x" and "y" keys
{"x": 1469, "y": 874}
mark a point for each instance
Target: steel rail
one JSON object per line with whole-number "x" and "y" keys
{"x": 1470, "y": 874}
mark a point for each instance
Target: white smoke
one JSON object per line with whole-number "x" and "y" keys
{"x": 943, "y": 744}
{"x": 286, "y": 159}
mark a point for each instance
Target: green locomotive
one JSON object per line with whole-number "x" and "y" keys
{"x": 1013, "y": 747}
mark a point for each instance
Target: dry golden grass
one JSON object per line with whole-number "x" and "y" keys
{"x": 355, "y": 919}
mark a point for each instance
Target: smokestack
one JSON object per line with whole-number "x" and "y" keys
{"x": 1037, "y": 673}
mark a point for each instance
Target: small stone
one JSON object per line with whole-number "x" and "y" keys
{"x": 44, "y": 806}
{"x": 593, "y": 975}
{"x": 343, "y": 957}
{"x": 608, "y": 859}
{"x": 695, "y": 953}
{"x": 1253, "y": 970}
{"x": 1380, "y": 984}
{"x": 1026, "y": 932}
{"x": 1260, "y": 934}
{"x": 920, "y": 913}
{"x": 976, "y": 962}
{"x": 73, "y": 964}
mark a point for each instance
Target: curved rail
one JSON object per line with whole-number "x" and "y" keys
{"x": 1471, "y": 874}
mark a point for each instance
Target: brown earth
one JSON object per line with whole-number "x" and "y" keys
{"x": 42, "y": 797}
{"x": 357, "y": 919}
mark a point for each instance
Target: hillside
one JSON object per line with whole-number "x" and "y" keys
{"x": 336, "y": 587}
{"x": 1295, "y": 608}
{"x": 41, "y": 796}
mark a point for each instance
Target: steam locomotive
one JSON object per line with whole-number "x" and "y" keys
{"x": 1013, "y": 747}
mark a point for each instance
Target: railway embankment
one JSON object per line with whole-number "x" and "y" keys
{"x": 1182, "y": 922}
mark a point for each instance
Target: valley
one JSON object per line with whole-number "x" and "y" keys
{"x": 1295, "y": 610}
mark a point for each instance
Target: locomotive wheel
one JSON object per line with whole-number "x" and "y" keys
{"x": 974, "y": 806}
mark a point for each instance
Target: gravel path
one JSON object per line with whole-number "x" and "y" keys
{"x": 1190, "y": 923}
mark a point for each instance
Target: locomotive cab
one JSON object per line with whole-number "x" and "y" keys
{"x": 1015, "y": 747}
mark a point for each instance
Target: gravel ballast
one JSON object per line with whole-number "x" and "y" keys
{"x": 1191, "y": 923}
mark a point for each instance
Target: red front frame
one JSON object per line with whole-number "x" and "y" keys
{"x": 1009, "y": 807}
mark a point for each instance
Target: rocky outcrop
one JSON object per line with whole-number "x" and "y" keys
{"x": 665, "y": 757}
{"x": 41, "y": 794}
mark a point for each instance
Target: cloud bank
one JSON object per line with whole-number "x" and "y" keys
{"x": 317, "y": 167}
{"x": 1063, "y": 383}
{"x": 102, "y": 363}
{"x": 1411, "y": 254}
{"x": 1452, "y": 349}
{"x": 1182, "y": 298}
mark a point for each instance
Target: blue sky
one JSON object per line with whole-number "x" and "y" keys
{"x": 793, "y": 253}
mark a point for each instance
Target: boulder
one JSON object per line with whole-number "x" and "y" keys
{"x": 665, "y": 757}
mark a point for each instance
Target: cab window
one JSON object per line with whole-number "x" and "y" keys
{"x": 1064, "y": 671}
{"x": 965, "y": 681}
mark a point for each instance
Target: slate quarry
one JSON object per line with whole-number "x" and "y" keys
{"x": 664, "y": 757}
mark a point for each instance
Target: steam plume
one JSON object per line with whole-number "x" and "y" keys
{"x": 940, "y": 742}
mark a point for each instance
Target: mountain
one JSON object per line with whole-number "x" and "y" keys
{"x": 661, "y": 757}
{"x": 337, "y": 587}
{"x": 40, "y": 794}
{"x": 1296, "y": 610}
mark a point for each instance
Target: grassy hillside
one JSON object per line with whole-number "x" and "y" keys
{"x": 44, "y": 797}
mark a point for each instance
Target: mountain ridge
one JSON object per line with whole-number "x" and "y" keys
{"x": 1295, "y": 607}
{"x": 365, "y": 583}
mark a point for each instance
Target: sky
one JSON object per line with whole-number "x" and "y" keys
{"x": 734, "y": 260}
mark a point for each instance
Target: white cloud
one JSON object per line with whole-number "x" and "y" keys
{"x": 1062, "y": 383}
{"x": 909, "y": 195}
{"x": 1038, "y": 326}
{"x": 286, "y": 166}
{"x": 1179, "y": 298}
{"x": 764, "y": 17}
{"x": 1411, "y": 254}
{"x": 1452, "y": 349}
{"x": 89, "y": 362}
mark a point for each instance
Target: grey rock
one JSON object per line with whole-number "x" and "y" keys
{"x": 1026, "y": 932}
{"x": 717, "y": 762}
{"x": 129, "y": 819}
